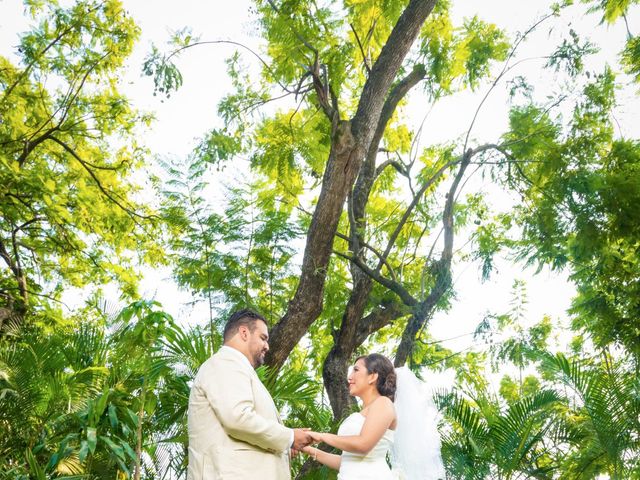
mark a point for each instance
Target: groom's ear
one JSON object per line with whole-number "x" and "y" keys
{"x": 243, "y": 331}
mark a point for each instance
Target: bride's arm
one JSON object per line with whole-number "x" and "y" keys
{"x": 331, "y": 460}
{"x": 380, "y": 417}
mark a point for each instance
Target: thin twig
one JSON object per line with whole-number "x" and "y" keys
{"x": 364, "y": 57}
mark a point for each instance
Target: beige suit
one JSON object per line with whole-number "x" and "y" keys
{"x": 234, "y": 428}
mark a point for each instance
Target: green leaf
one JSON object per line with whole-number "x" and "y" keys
{"x": 115, "y": 449}
{"x": 113, "y": 416}
{"x": 84, "y": 450}
{"x": 36, "y": 471}
{"x": 91, "y": 439}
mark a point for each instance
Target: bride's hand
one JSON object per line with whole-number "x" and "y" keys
{"x": 309, "y": 450}
{"x": 312, "y": 452}
{"x": 316, "y": 436}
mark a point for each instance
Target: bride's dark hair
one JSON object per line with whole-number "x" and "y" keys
{"x": 381, "y": 365}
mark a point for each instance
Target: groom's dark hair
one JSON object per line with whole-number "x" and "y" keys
{"x": 244, "y": 317}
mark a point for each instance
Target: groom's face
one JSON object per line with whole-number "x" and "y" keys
{"x": 258, "y": 343}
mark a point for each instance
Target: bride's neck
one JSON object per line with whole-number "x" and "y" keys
{"x": 368, "y": 397}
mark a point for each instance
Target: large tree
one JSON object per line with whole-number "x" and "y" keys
{"x": 345, "y": 138}
{"x": 343, "y": 165}
{"x": 69, "y": 216}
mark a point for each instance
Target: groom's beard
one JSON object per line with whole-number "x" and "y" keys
{"x": 258, "y": 358}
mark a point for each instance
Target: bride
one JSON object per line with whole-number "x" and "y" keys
{"x": 406, "y": 429}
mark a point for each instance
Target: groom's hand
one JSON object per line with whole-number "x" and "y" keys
{"x": 301, "y": 438}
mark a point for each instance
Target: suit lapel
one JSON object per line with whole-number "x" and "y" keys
{"x": 260, "y": 386}
{"x": 268, "y": 396}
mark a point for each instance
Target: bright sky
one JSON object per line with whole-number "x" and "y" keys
{"x": 190, "y": 112}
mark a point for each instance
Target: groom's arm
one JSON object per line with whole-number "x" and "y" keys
{"x": 231, "y": 397}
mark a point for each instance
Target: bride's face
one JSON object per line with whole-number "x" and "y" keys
{"x": 359, "y": 379}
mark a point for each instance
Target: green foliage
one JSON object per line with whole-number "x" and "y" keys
{"x": 485, "y": 440}
{"x": 93, "y": 397}
{"x": 72, "y": 400}
{"x": 62, "y": 404}
{"x": 570, "y": 54}
{"x": 631, "y": 57}
{"x": 581, "y": 187}
{"x": 166, "y": 75}
{"x": 242, "y": 253}
{"x": 68, "y": 214}
{"x": 576, "y": 418}
{"x": 459, "y": 54}
{"x": 611, "y": 10}
{"x": 490, "y": 238}
{"x": 602, "y": 418}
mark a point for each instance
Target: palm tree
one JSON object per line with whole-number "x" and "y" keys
{"x": 59, "y": 412}
{"x": 485, "y": 439}
{"x": 602, "y": 416}
{"x": 180, "y": 355}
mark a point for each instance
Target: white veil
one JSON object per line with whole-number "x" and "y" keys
{"x": 416, "y": 450}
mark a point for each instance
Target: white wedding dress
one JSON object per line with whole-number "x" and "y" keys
{"x": 414, "y": 446}
{"x": 373, "y": 465}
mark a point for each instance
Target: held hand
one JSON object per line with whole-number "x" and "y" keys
{"x": 301, "y": 438}
{"x": 317, "y": 437}
{"x": 312, "y": 452}
{"x": 309, "y": 450}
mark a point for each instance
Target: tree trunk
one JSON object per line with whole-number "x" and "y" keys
{"x": 334, "y": 371}
{"x": 421, "y": 314}
{"x": 350, "y": 142}
{"x": 341, "y": 355}
{"x": 336, "y": 364}
{"x": 306, "y": 304}
{"x": 15, "y": 308}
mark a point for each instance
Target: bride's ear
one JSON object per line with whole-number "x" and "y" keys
{"x": 373, "y": 378}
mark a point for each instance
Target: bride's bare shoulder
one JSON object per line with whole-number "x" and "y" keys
{"x": 383, "y": 403}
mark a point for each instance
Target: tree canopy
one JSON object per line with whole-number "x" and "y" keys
{"x": 69, "y": 211}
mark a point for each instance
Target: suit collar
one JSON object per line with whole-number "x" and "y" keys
{"x": 238, "y": 355}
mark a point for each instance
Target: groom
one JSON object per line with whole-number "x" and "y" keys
{"x": 235, "y": 431}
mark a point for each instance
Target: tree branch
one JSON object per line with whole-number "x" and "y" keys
{"x": 505, "y": 68}
{"x": 230, "y": 42}
{"x": 31, "y": 145}
{"x": 16, "y": 269}
{"x": 364, "y": 57}
{"x": 377, "y": 319}
{"x": 400, "y": 167}
{"x": 375, "y": 252}
{"x": 386, "y": 66}
{"x": 425, "y": 308}
{"x": 395, "y": 287}
{"x": 133, "y": 214}
{"x": 414, "y": 203}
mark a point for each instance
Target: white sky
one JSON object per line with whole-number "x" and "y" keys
{"x": 190, "y": 112}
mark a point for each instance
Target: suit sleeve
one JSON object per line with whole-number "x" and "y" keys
{"x": 232, "y": 401}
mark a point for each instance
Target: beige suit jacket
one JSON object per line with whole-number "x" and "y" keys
{"x": 234, "y": 427}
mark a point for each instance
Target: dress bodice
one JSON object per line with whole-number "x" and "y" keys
{"x": 373, "y": 465}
